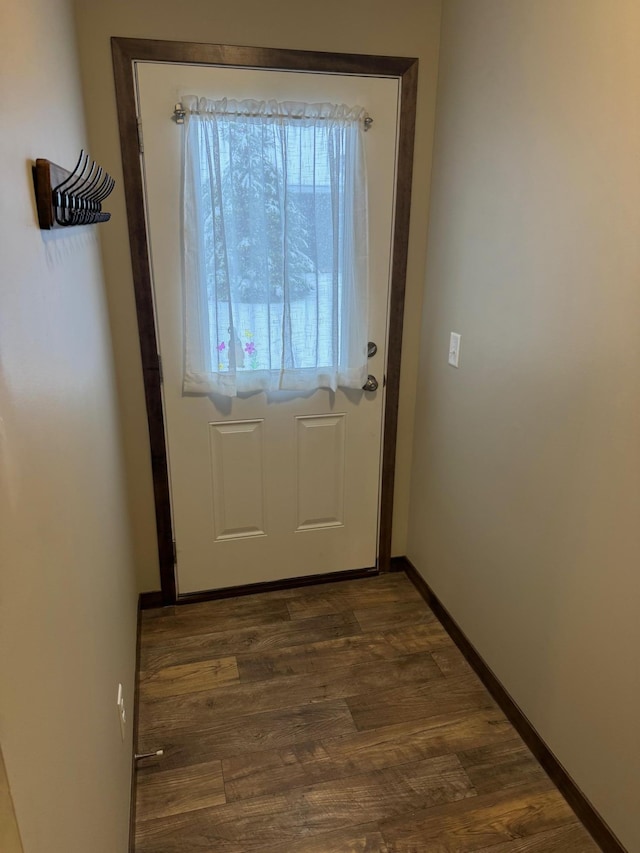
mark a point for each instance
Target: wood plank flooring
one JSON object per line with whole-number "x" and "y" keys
{"x": 337, "y": 718}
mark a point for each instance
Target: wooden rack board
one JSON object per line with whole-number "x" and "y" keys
{"x": 78, "y": 201}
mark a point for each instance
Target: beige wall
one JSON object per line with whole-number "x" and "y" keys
{"x": 525, "y": 503}
{"x": 406, "y": 27}
{"x": 9, "y": 832}
{"x": 67, "y": 592}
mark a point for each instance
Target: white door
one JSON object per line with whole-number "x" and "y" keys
{"x": 266, "y": 486}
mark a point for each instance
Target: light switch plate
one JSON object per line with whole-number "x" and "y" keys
{"x": 454, "y": 349}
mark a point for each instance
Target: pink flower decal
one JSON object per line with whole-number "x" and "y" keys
{"x": 250, "y": 348}
{"x": 222, "y": 346}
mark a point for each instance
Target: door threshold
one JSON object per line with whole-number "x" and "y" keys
{"x": 272, "y": 586}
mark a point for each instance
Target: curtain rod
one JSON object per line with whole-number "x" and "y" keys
{"x": 179, "y": 114}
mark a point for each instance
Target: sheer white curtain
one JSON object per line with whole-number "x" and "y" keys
{"x": 275, "y": 246}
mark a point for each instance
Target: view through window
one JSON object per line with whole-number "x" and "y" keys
{"x": 275, "y": 246}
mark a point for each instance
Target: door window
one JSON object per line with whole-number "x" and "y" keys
{"x": 275, "y": 246}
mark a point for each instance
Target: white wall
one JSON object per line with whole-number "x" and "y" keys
{"x": 405, "y": 28}
{"x": 67, "y": 592}
{"x": 525, "y": 501}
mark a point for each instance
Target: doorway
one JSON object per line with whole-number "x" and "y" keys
{"x": 242, "y": 429}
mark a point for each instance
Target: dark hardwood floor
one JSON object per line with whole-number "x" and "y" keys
{"x": 337, "y": 718}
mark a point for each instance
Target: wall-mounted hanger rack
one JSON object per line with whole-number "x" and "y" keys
{"x": 67, "y": 198}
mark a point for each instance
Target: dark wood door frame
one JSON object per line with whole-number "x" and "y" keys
{"x": 128, "y": 51}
